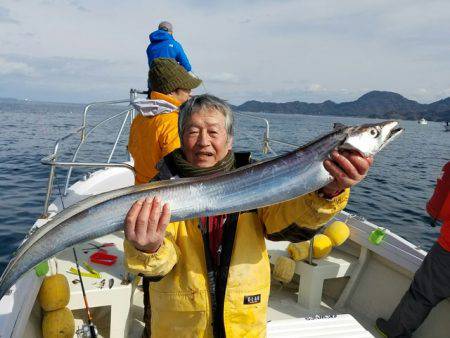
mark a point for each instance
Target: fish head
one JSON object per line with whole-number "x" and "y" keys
{"x": 369, "y": 139}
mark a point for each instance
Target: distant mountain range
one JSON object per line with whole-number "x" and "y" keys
{"x": 374, "y": 104}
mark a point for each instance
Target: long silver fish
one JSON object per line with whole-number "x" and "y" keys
{"x": 279, "y": 179}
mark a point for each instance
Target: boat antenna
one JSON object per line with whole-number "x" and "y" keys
{"x": 88, "y": 311}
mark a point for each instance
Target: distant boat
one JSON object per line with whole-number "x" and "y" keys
{"x": 447, "y": 126}
{"x": 422, "y": 121}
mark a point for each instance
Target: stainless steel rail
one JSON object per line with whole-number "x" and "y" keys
{"x": 266, "y": 146}
{"x": 83, "y": 139}
{"x": 118, "y": 136}
{"x": 266, "y": 136}
{"x": 93, "y": 104}
{"x": 51, "y": 159}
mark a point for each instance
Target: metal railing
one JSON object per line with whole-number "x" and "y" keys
{"x": 52, "y": 159}
{"x": 129, "y": 114}
{"x": 266, "y": 136}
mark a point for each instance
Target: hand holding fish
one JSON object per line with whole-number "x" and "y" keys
{"x": 146, "y": 223}
{"x": 348, "y": 169}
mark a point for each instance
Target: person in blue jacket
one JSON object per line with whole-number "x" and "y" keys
{"x": 162, "y": 44}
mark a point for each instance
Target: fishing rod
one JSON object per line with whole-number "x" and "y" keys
{"x": 92, "y": 329}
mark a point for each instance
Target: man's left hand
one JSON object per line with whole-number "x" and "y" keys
{"x": 348, "y": 169}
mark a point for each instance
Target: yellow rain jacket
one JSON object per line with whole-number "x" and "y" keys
{"x": 180, "y": 295}
{"x": 152, "y": 138}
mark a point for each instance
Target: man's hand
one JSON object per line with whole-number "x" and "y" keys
{"x": 348, "y": 168}
{"x": 146, "y": 223}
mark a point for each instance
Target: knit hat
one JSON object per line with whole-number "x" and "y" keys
{"x": 166, "y": 75}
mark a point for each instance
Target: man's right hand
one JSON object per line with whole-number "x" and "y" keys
{"x": 146, "y": 223}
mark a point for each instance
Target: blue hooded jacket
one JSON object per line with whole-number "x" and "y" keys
{"x": 163, "y": 45}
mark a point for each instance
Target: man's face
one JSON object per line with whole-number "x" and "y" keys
{"x": 182, "y": 95}
{"x": 205, "y": 138}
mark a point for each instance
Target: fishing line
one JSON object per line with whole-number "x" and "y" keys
{"x": 204, "y": 87}
{"x": 59, "y": 189}
{"x": 92, "y": 329}
{"x": 203, "y": 83}
{"x": 88, "y": 311}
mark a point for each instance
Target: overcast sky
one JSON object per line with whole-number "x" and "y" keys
{"x": 84, "y": 50}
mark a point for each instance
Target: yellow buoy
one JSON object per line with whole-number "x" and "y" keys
{"x": 299, "y": 251}
{"x": 284, "y": 269}
{"x": 322, "y": 246}
{"x": 338, "y": 232}
{"x": 54, "y": 293}
{"x": 58, "y": 324}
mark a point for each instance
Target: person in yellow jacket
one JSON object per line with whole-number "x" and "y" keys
{"x": 211, "y": 276}
{"x": 154, "y": 132}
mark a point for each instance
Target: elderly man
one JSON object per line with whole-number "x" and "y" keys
{"x": 211, "y": 276}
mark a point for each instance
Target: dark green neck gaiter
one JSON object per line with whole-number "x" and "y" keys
{"x": 186, "y": 169}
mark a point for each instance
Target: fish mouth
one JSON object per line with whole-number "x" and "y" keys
{"x": 395, "y": 132}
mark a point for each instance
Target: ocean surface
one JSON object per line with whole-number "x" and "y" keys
{"x": 393, "y": 195}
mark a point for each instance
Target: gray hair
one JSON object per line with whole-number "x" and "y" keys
{"x": 207, "y": 101}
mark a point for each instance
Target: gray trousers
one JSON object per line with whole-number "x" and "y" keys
{"x": 431, "y": 285}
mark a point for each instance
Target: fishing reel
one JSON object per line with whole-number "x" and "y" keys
{"x": 86, "y": 331}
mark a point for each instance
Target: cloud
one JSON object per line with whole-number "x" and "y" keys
{"x": 443, "y": 93}
{"x": 59, "y": 67}
{"x": 77, "y": 5}
{"x": 66, "y": 78}
{"x": 15, "y": 68}
{"x": 314, "y": 87}
{"x": 245, "y": 21}
{"x": 272, "y": 50}
{"x": 5, "y": 16}
{"x": 221, "y": 78}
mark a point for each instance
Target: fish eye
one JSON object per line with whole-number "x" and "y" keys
{"x": 374, "y": 132}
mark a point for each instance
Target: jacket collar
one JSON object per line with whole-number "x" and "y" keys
{"x": 154, "y": 95}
